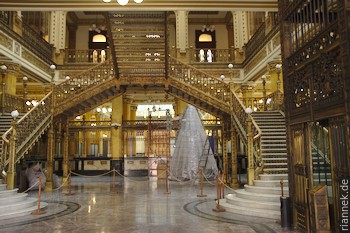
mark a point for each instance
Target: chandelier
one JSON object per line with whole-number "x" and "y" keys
{"x": 207, "y": 27}
{"x": 124, "y": 2}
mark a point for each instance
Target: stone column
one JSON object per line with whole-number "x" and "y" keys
{"x": 127, "y": 132}
{"x": 180, "y": 107}
{"x": 182, "y": 35}
{"x": 240, "y": 33}
{"x": 117, "y": 135}
{"x": 58, "y": 34}
{"x": 240, "y": 29}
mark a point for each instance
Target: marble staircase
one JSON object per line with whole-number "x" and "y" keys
{"x": 14, "y": 204}
{"x": 260, "y": 200}
{"x": 263, "y": 198}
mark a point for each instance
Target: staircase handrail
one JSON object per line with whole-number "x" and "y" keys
{"x": 239, "y": 119}
{"x": 30, "y": 126}
{"x": 80, "y": 82}
{"x": 200, "y": 80}
{"x": 321, "y": 153}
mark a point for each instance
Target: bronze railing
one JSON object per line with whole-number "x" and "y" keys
{"x": 275, "y": 101}
{"x": 239, "y": 119}
{"x": 28, "y": 129}
{"x": 218, "y": 55}
{"x": 41, "y": 47}
{"x": 12, "y": 102}
{"x": 68, "y": 90}
{"x": 197, "y": 79}
{"x": 86, "y": 55}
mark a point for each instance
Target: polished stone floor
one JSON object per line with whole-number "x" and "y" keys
{"x": 134, "y": 205}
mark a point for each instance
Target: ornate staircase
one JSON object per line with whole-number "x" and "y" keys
{"x": 141, "y": 62}
{"x": 263, "y": 198}
{"x": 139, "y": 46}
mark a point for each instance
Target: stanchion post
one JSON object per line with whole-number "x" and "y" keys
{"x": 201, "y": 184}
{"x": 39, "y": 211}
{"x": 281, "y": 183}
{"x": 218, "y": 208}
{"x": 113, "y": 181}
{"x": 222, "y": 186}
{"x": 69, "y": 184}
{"x": 167, "y": 181}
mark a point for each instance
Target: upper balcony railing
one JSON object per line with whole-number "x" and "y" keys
{"x": 86, "y": 55}
{"x": 29, "y": 39}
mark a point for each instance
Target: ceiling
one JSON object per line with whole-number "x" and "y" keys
{"x": 146, "y": 5}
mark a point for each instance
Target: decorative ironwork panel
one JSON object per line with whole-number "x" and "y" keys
{"x": 327, "y": 79}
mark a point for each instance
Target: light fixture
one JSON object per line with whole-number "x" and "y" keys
{"x": 207, "y": 27}
{"x": 14, "y": 114}
{"x": 123, "y": 2}
{"x": 52, "y": 67}
{"x": 222, "y": 77}
{"x": 248, "y": 110}
{"x": 4, "y": 68}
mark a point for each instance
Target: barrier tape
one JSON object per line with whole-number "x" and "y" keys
{"x": 28, "y": 189}
{"x": 77, "y": 174}
{"x": 226, "y": 185}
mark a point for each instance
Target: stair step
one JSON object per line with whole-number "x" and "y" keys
{"x": 266, "y": 190}
{"x": 275, "y": 154}
{"x": 273, "y": 176}
{"x": 264, "y": 126}
{"x": 272, "y": 149}
{"x": 2, "y": 186}
{"x": 257, "y": 196}
{"x": 275, "y": 169}
{"x": 13, "y": 198}
{"x": 274, "y": 159}
{"x": 270, "y": 183}
{"x": 271, "y": 214}
{"x": 234, "y": 200}
{"x": 266, "y": 141}
{"x": 28, "y": 202}
{"x": 273, "y": 133}
{"x": 22, "y": 212}
{"x": 8, "y": 192}
{"x": 276, "y": 164}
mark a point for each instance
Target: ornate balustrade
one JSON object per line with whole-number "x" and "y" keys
{"x": 70, "y": 89}
{"x": 216, "y": 56}
{"x": 91, "y": 125}
{"x": 201, "y": 81}
{"x": 86, "y": 55}
{"x": 28, "y": 129}
{"x": 30, "y": 43}
{"x": 240, "y": 119}
{"x": 275, "y": 101}
{"x": 12, "y": 102}
{"x": 40, "y": 47}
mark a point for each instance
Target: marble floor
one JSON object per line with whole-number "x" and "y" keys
{"x": 134, "y": 205}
